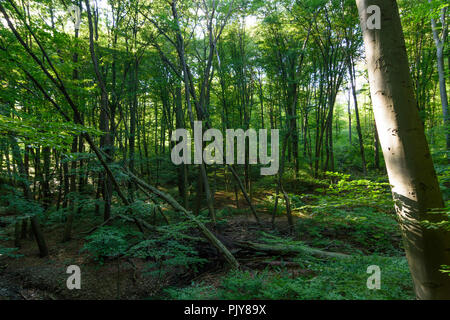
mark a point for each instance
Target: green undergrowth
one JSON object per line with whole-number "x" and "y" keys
{"x": 332, "y": 280}
{"x": 355, "y": 216}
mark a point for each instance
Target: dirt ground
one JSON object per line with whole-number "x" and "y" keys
{"x": 31, "y": 277}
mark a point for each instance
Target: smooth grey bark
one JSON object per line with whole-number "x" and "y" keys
{"x": 409, "y": 164}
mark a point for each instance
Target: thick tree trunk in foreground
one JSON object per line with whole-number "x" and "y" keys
{"x": 410, "y": 168}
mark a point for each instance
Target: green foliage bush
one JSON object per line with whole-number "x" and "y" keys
{"x": 166, "y": 248}
{"x": 170, "y": 248}
{"x": 108, "y": 242}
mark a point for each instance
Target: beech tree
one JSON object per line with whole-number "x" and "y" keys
{"x": 413, "y": 180}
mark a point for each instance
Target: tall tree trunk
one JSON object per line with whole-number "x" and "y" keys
{"x": 377, "y": 147}
{"x": 349, "y": 119}
{"x": 187, "y": 83}
{"x": 70, "y": 217}
{"x": 351, "y": 68}
{"x": 46, "y": 200}
{"x": 132, "y": 138}
{"x": 106, "y": 114}
{"x": 181, "y": 169}
{"x": 410, "y": 168}
{"x": 72, "y": 187}
{"x": 440, "y": 43}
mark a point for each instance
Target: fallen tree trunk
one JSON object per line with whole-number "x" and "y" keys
{"x": 206, "y": 232}
{"x": 277, "y": 249}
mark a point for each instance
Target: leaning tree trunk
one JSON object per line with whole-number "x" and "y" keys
{"x": 410, "y": 168}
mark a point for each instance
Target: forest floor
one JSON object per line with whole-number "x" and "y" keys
{"x": 367, "y": 233}
{"x": 30, "y": 277}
